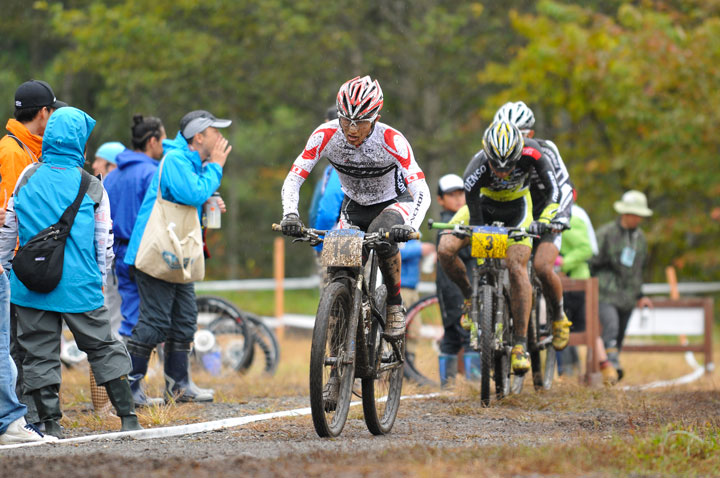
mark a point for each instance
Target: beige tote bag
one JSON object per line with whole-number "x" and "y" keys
{"x": 171, "y": 247}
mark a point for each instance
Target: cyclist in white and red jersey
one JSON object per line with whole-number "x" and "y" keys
{"x": 548, "y": 246}
{"x": 384, "y": 187}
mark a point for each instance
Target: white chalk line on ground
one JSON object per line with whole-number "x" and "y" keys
{"x": 698, "y": 371}
{"x": 165, "y": 432}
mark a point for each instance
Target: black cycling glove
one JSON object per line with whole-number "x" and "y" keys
{"x": 401, "y": 232}
{"x": 538, "y": 228}
{"x": 292, "y": 225}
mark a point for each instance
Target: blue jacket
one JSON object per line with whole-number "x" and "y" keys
{"x": 42, "y": 195}
{"x": 184, "y": 181}
{"x": 410, "y": 253}
{"x": 327, "y": 208}
{"x": 126, "y": 187}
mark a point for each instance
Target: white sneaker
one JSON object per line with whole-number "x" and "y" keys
{"x": 20, "y": 431}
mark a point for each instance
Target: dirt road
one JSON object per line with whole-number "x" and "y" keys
{"x": 442, "y": 436}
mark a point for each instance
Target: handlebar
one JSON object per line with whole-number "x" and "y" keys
{"x": 316, "y": 233}
{"x": 465, "y": 230}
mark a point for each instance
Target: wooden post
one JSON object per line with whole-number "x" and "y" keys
{"x": 672, "y": 282}
{"x": 674, "y": 293}
{"x": 279, "y": 274}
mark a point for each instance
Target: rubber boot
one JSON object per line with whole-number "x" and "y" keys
{"x": 448, "y": 367}
{"x": 177, "y": 378}
{"x": 140, "y": 355}
{"x": 472, "y": 366}
{"x": 195, "y": 390}
{"x": 122, "y": 399}
{"x": 47, "y": 401}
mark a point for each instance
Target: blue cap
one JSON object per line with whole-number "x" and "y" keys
{"x": 109, "y": 151}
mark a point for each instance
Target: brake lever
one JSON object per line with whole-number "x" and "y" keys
{"x": 301, "y": 239}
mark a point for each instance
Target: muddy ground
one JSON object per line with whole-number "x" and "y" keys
{"x": 426, "y": 429}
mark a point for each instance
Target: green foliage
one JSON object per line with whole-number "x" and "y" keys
{"x": 629, "y": 99}
{"x": 627, "y": 90}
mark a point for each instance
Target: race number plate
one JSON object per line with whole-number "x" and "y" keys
{"x": 342, "y": 248}
{"x": 489, "y": 242}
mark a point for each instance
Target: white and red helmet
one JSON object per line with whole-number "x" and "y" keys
{"x": 360, "y": 99}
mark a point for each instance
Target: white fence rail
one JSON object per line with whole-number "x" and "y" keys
{"x": 297, "y": 283}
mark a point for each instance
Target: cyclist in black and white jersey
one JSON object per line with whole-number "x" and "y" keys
{"x": 497, "y": 189}
{"x": 548, "y": 246}
{"x": 384, "y": 186}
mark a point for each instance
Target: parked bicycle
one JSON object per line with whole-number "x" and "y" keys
{"x": 348, "y": 340}
{"x": 243, "y": 338}
{"x": 492, "y": 325}
{"x": 422, "y": 366}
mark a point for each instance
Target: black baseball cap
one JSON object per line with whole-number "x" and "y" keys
{"x": 35, "y": 94}
{"x": 198, "y": 121}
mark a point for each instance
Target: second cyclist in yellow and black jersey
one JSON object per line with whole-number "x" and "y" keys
{"x": 497, "y": 188}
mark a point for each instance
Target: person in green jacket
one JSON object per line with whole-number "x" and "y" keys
{"x": 618, "y": 265}
{"x": 579, "y": 244}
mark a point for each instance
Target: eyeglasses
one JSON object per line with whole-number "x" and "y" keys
{"x": 346, "y": 122}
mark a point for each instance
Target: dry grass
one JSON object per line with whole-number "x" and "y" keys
{"x": 667, "y": 431}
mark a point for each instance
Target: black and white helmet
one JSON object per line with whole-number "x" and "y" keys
{"x": 518, "y": 114}
{"x": 503, "y": 144}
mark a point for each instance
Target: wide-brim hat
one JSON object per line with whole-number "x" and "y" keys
{"x": 633, "y": 202}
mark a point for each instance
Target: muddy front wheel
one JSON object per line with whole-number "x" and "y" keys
{"x": 332, "y": 368}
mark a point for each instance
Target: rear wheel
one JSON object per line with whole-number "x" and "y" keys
{"x": 266, "y": 343}
{"x": 233, "y": 333}
{"x": 543, "y": 358}
{"x": 332, "y": 369}
{"x": 421, "y": 359}
{"x": 381, "y": 393}
{"x": 502, "y": 357}
{"x": 487, "y": 341}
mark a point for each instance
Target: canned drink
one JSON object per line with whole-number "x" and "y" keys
{"x": 212, "y": 212}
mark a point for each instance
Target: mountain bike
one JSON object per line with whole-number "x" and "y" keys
{"x": 348, "y": 340}
{"x": 241, "y": 336}
{"x": 492, "y": 325}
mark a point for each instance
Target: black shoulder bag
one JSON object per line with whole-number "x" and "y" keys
{"x": 39, "y": 263}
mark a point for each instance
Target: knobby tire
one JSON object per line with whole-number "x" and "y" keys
{"x": 487, "y": 343}
{"x": 331, "y": 338}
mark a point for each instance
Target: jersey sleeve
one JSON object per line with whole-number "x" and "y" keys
{"x": 303, "y": 165}
{"x": 472, "y": 177}
{"x": 546, "y": 173}
{"x": 396, "y": 145}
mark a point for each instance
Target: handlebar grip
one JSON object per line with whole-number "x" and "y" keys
{"x": 415, "y": 235}
{"x": 440, "y": 225}
{"x": 276, "y": 227}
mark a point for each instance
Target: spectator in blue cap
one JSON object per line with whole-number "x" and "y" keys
{"x": 105, "y": 158}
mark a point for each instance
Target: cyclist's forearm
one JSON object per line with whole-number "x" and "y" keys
{"x": 291, "y": 192}
{"x": 421, "y": 195}
{"x": 549, "y": 212}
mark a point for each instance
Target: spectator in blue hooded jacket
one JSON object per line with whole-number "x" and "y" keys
{"x": 168, "y": 311}
{"x": 43, "y": 192}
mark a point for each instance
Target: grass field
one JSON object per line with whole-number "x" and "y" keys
{"x": 664, "y": 431}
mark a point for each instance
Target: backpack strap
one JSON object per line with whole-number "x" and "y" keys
{"x": 68, "y": 216}
{"x": 25, "y": 148}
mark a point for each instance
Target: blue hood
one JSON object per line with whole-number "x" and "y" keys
{"x": 66, "y": 134}
{"x": 128, "y": 158}
{"x": 178, "y": 143}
